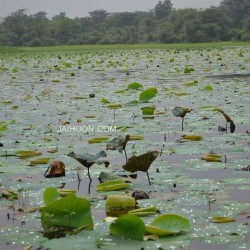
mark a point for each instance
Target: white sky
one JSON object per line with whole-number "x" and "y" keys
{"x": 81, "y": 8}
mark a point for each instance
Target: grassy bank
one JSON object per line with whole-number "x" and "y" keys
{"x": 64, "y": 48}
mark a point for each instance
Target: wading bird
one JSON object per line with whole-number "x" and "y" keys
{"x": 181, "y": 112}
{"x": 87, "y": 160}
{"x": 119, "y": 143}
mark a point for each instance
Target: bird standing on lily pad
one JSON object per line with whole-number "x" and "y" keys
{"x": 87, "y": 160}
{"x": 141, "y": 162}
{"x": 181, "y": 112}
{"x": 119, "y": 143}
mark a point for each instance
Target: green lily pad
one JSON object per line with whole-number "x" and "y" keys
{"x": 103, "y": 177}
{"x": 209, "y": 108}
{"x": 112, "y": 185}
{"x": 144, "y": 211}
{"x": 222, "y": 219}
{"x": 98, "y": 140}
{"x": 50, "y": 194}
{"x": 147, "y": 94}
{"x": 105, "y": 101}
{"x": 27, "y": 153}
{"x": 188, "y": 70}
{"x": 134, "y": 85}
{"x": 207, "y": 88}
{"x": 132, "y": 103}
{"x": 128, "y": 226}
{"x": 211, "y": 158}
{"x": 114, "y": 106}
{"x": 148, "y": 110}
{"x": 168, "y": 224}
{"x": 39, "y": 161}
{"x": 119, "y": 202}
{"x": 69, "y": 212}
{"x": 3, "y": 126}
{"x": 192, "y": 137}
{"x": 191, "y": 84}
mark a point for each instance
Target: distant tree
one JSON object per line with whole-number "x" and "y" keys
{"x": 62, "y": 28}
{"x": 167, "y": 33}
{"x": 239, "y": 9}
{"x": 229, "y": 21}
{"x": 16, "y": 27}
{"x": 98, "y": 16}
{"x": 38, "y": 28}
{"x": 216, "y": 23}
{"x": 179, "y": 18}
{"x": 163, "y": 9}
{"x": 149, "y": 27}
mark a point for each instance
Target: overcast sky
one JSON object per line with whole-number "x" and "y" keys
{"x": 81, "y": 8}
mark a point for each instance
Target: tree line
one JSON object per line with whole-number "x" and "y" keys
{"x": 230, "y": 21}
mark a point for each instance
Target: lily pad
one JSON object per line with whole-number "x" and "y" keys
{"x": 50, "y": 194}
{"x": 147, "y": 94}
{"x": 98, "y": 140}
{"x": 134, "y": 85}
{"x": 148, "y": 110}
{"x": 104, "y": 177}
{"x": 192, "y": 137}
{"x": 119, "y": 202}
{"x": 168, "y": 224}
{"x": 27, "y": 154}
{"x": 69, "y": 212}
{"x": 207, "y": 88}
{"x": 144, "y": 211}
{"x": 128, "y": 226}
{"x": 136, "y": 138}
{"x": 222, "y": 219}
{"x": 39, "y": 161}
{"x": 211, "y": 158}
{"x": 112, "y": 185}
{"x": 114, "y": 106}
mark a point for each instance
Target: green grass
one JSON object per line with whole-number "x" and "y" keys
{"x": 68, "y": 48}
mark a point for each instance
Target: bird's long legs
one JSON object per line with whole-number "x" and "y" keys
{"x": 89, "y": 175}
{"x": 182, "y": 124}
{"x": 149, "y": 182}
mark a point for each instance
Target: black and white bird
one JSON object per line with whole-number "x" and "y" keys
{"x": 87, "y": 160}
{"x": 181, "y": 112}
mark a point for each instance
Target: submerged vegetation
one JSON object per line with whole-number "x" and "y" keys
{"x": 89, "y": 99}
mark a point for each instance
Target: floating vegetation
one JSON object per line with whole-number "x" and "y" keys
{"x": 186, "y": 178}
{"x": 168, "y": 224}
{"x": 27, "y": 154}
{"x": 147, "y": 94}
{"x": 212, "y": 158}
{"x": 98, "y": 140}
{"x": 112, "y": 185}
{"x": 39, "y": 161}
{"x": 222, "y": 219}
